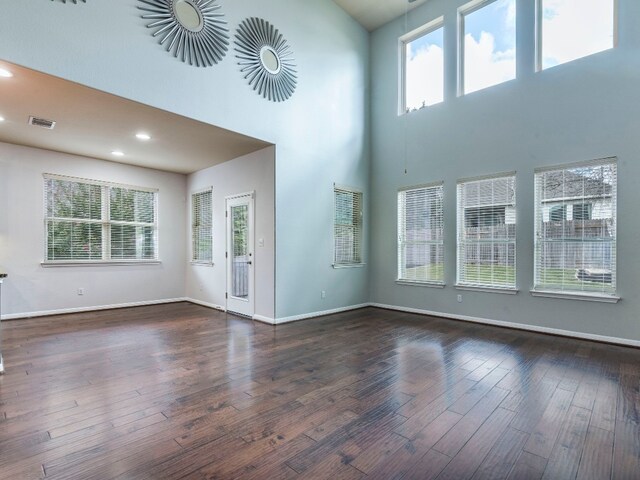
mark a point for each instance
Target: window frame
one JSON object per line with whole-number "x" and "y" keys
{"x": 468, "y": 9}
{"x": 400, "y": 219}
{"x": 105, "y": 221}
{"x": 539, "y": 37}
{"x": 357, "y": 225}
{"x": 405, "y": 39}
{"x": 197, "y": 261}
{"x": 539, "y": 290}
{"x": 461, "y": 226}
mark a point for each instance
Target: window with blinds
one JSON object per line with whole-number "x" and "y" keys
{"x": 575, "y": 235}
{"x": 421, "y": 235}
{"x": 202, "y": 226}
{"x": 88, "y": 220}
{"x": 347, "y": 227}
{"x": 487, "y": 232}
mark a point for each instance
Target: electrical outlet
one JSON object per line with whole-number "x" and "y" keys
{"x": 323, "y": 294}
{"x": 459, "y": 298}
{"x": 81, "y": 291}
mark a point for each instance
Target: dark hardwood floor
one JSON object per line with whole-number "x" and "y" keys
{"x": 181, "y": 391}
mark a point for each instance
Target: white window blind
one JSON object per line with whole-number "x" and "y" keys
{"x": 420, "y": 234}
{"x": 575, "y": 241}
{"x": 202, "y": 226}
{"x": 487, "y": 232}
{"x": 347, "y": 226}
{"x": 89, "y": 220}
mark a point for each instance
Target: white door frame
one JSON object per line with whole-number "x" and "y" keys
{"x": 241, "y": 306}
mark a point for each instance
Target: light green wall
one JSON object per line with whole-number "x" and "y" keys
{"x": 582, "y": 110}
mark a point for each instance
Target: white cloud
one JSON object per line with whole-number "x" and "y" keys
{"x": 483, "y": 65}
{"x": 574, "y": 28}
{"x": 425, "y": 77}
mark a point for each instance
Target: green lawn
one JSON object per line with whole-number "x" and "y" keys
{"x": 503, "y": 275}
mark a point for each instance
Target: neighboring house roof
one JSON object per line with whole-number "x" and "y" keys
{"x": 567, "y": 184}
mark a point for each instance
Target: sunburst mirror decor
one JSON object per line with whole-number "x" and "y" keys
{"x": 265, "y": 59}
{"x": 192, "y": 30}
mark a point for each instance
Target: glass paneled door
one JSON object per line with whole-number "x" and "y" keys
{"x": 240, "y": 254}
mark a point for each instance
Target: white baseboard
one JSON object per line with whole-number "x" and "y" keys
{"x": 62, "y": 311}
{"x": 304, "y": 316}
{"x": 517, "y": 326}
{"x": 206, "y": 304}
{"x": 263, "y": 319}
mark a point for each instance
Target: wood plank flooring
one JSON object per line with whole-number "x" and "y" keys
{"x": 183, "y": 392}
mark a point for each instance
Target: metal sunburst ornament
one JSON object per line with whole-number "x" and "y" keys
{"x": 192, "y": 30}
{"x": 265, "y": 59}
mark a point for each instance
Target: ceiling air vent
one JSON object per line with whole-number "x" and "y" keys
{"x": 41, "y": 122}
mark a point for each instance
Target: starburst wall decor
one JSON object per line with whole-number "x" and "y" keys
{"x": 193, "y": 31}
{"x": 266, "y": 59}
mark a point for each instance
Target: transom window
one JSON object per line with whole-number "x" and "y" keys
{"x": 347, "y": 227}
{"x": 89, "y": 220}
{"x": 488, "y": 31}
{"x": 572, "y": 29}
{"x": 421, "y": 234}
{"x": 423, "y": 67}
{"x": 487, "y": 232}
{"x": 575, "y": 243}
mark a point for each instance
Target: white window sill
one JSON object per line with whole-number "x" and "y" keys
{"x": 589, "y": 297}
{"x": 104, "y": 263}
{"x": 348, "y": 265}
{"x": 417, "y": 283}
{"x": 202, "y": 264}
{"x": 503, "y": 290}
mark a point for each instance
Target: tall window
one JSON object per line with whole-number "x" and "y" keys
{"x": 87, "y": 220}
{"x": 487, "y": 232}
{"x": 572, "y": 29}
{"x": 420, "y": 234}
{"x": 489, "y": 43}
{"x": 202, "y": 226}
{"x": 423, "y": 61}
{"x": 347, "y": 227}
{"x": 575, "y": 243}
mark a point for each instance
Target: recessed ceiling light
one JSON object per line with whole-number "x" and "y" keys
{"x": 143, "y": 136}
{"x": 5, "y": 73}
{"x": 117, "y": 153}
{"x": 1, "y": 119}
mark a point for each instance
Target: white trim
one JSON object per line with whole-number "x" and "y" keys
{"x": 596, "y": 162}
{"x": 478, "y": 288}
{"x": 1, "y": 365}
{"x": 101, "y": 263}
{"x": 63, "y": 311}
{"x": 101, "y": 183}
{"x": 516, "y": 326}
{"x": 263, "y": 319}
{"x": 251, "y": 194}
{"x": 491, "y": 176}
{"x": 205, "y": 304}
{"x": 420, "y": 187}
{"x": 348, "y": 265}
{"x": 304, "y": 316}
{"x": 589, "y": 297}
{"x": 417, "y": 283}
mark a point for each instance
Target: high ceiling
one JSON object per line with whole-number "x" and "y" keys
{"x": 372, "y": 14}
{"x": 94, "y": 124}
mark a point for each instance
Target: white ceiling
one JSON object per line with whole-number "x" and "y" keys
{"x": 372, "y": 14}
{"x": 93, "y": 123}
